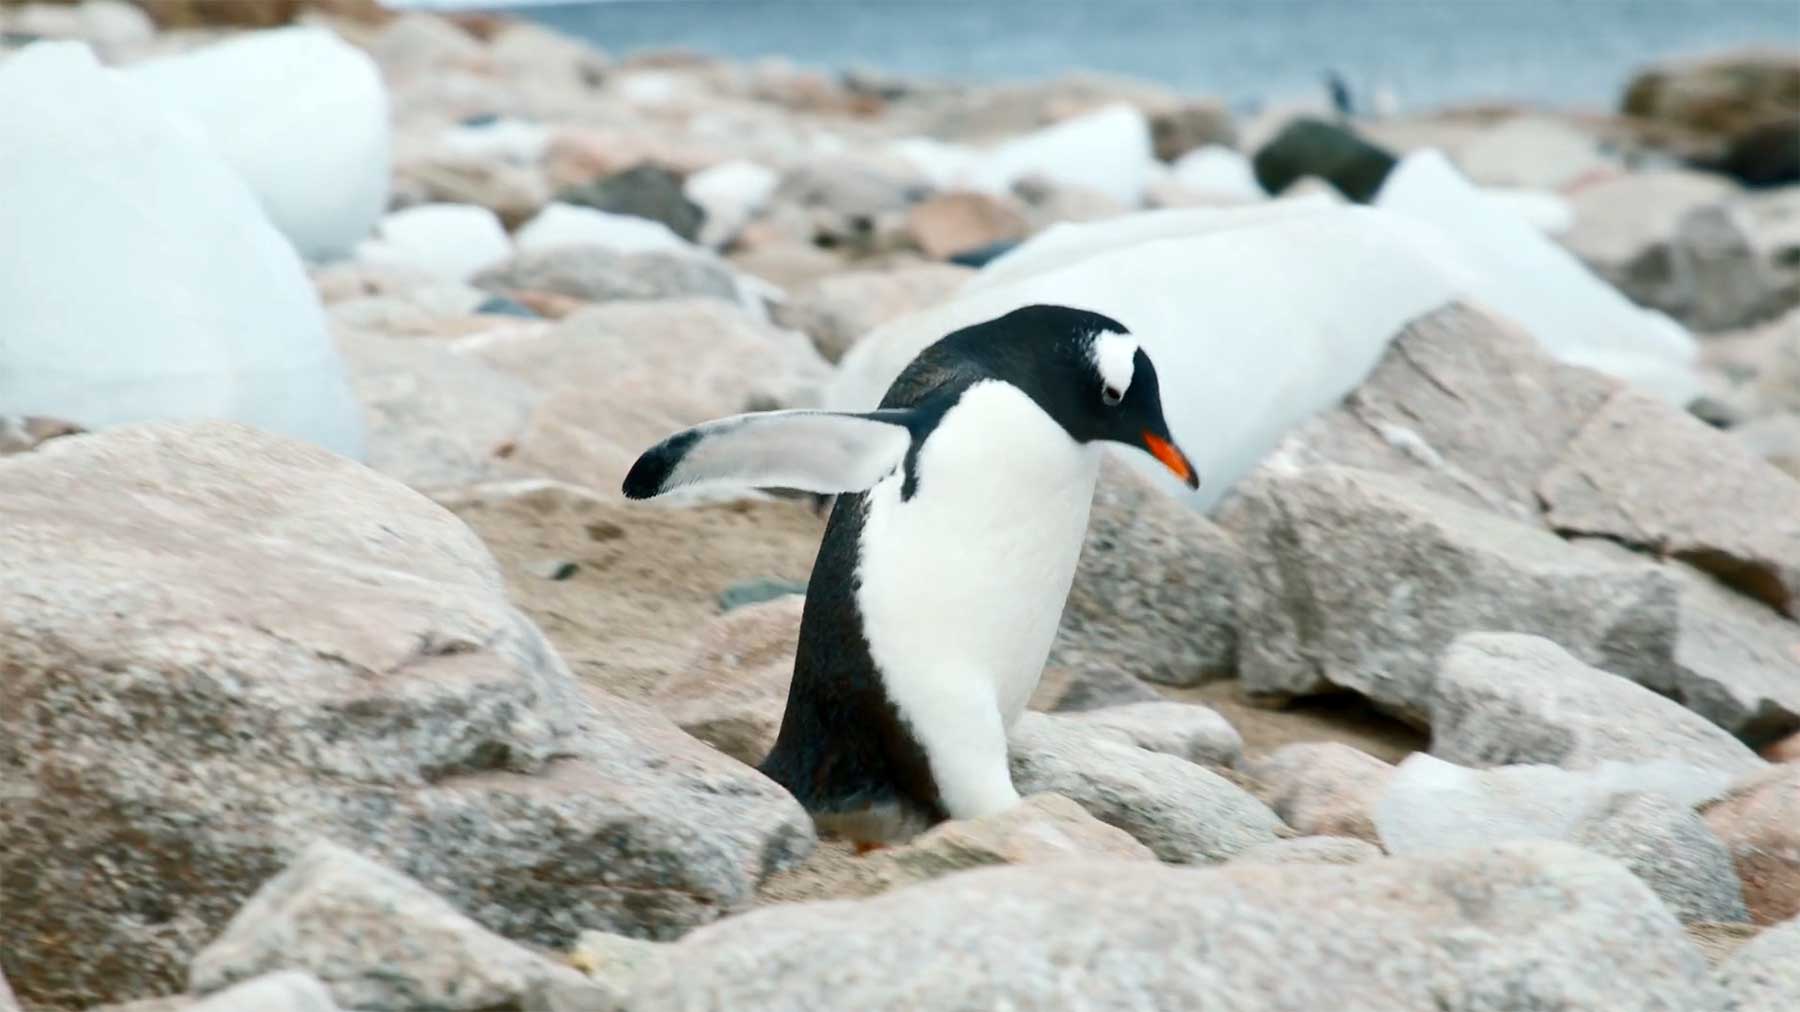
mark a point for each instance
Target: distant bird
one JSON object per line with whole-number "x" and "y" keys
{"x": 1340, "y": 94}
{"x": 947, "y": 559}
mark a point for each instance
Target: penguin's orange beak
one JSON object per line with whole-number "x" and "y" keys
{"x": 1172, "y": 458}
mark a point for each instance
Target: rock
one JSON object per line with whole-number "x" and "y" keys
{"x": 1730, "y": 99}
{"x": 500, "y": 305}
{"x": 378, "y": 940}
{"x": 1041, "y": 829}
{"x": 1767, "y": 154}
{"x": 845, "y": 204}
{"x": 516, "y": 193}
{"x": 749, "y": 592}
{"x": 1629, "y": 474}
{"x": 1764, "y": 973}
{"x": 1310, "y": 147}
{"x": 1360, "y": 580}
{"x": 1322, "y": 788}
{"x": 957, "y": 222}
{"x": 1463, "y": 404}
{"x": 1759, "y": 367}
{"x": 1519, "y": 926}
{"x": 1718, "y": 941}
{"x": 1505, "y": 698}
{"x": 837, "y": 309}
{"x": 1673, "y": 851}
{"x": 1759, "y": 821}
{"x": 20, "y": 433}
{"x": 284, "y": 991}
{"x": 1734, "y": 263}
{"x": 1177, "y": 131}
{"x": 524, "y": 49}
{"x": 618, "y": 377}
{"x": 1625, "y": 226}
{"x": 1311, "y": 850}
{"x": 733, "y": 689}
{"x": 646, "y": 191}
{"x": 598, "y": 274}
{"x": 1185, "y": 730}
{"x": 354, "y": 644}
{"x": 1537, "y": 152}
{"x": 1435, "y": 807}
{"x": 1074, "y": 690}
{"x": 1154, "y": 590}
{"x": 436, "y": 416}
{"x": 610, "y": 963}
{"x": 1775, "y": 439}
{"x": 1734, "y": 658}
{"x": 1184, "y": 812}
{"x": 116, "y": 30}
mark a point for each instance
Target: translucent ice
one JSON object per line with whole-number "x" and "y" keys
{"x": 303, "y": 118}
{"x": 140, "y": 278}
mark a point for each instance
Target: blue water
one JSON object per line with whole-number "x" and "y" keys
{"x": 1428, "y": 52}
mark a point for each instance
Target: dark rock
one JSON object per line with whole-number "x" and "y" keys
{"x": 1310, "y": 147}
{"x": 647, "y": 191}
{"x": 756, "y": 592}
{"x": 500, "y": 305}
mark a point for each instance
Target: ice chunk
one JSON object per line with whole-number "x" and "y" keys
{"x": 1498, "y": 259}
{"x": 303, "y": 118}
{"x": 1107, "y": 150}
{"x": 139, "y": 277}
{"x": 730, "y": 193}
{"x": 570, "y": 225}
{"x": 1433, "y": 805}
{"x": 1256, "y": 318}
{"x": 448, "y": 241}
{"x": 1219, "y": 172}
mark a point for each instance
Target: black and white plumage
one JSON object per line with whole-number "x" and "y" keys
{"x": 963, "y": 503}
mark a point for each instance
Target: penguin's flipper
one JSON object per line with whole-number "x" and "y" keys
{"x": 826, "y": 452}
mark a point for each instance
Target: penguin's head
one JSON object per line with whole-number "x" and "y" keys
{"x": 1085, "y": 370}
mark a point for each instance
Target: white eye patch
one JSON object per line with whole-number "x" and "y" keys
{"x": 1115, "y": 359}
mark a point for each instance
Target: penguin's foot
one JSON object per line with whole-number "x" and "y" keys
{"x": 867, "y": 847}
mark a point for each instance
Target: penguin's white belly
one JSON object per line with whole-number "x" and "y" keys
{"x": 962, "y": 586}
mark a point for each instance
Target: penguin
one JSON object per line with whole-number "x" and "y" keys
{"x": 962, "y": 504}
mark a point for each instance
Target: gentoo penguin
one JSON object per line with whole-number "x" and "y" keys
{"x": 962, "y": 505}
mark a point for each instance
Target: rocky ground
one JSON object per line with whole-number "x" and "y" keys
{"x": 1482, "y": 692}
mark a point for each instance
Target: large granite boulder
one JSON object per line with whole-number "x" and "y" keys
{"x": 1520, "y": 926}
{"x": 223, "y": 646}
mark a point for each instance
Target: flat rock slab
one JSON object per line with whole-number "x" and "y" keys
{"x": 1182, "y": 811}
{"x": 378, "y": 940}
{"x": 1363, "y": 580}
{"x": 1516, "y": 926}
{"x": 222, "y": 645}
{"x": 1510, "y": 698}
{"x": 1648, "y": 475}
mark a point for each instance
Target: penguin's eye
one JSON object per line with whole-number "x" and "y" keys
{"x": 1111, "y": 395}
